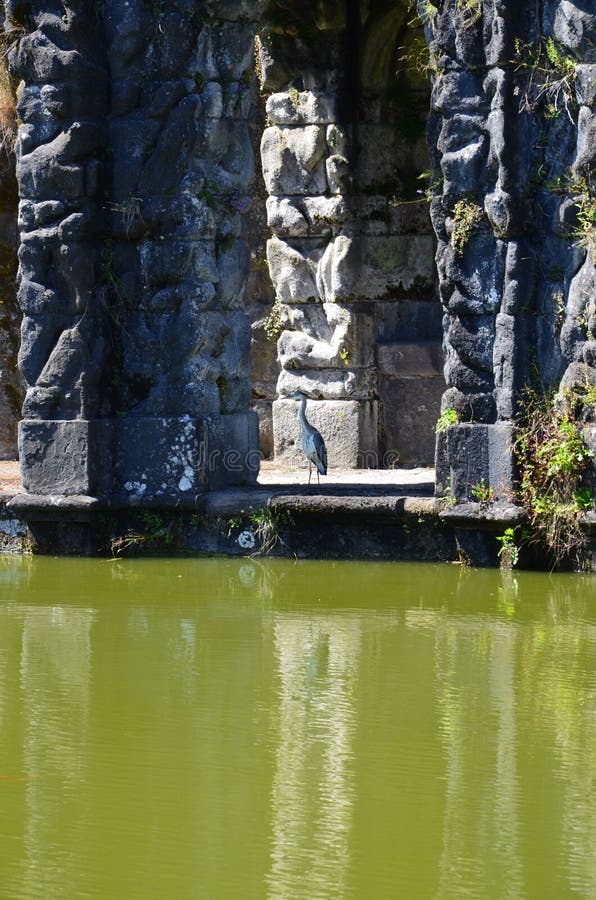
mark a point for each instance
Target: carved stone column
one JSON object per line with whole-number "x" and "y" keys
{"x": 62, "y": 104}
{"x": 11, "y": 390}
{"x": 351, "y": 256}
{"x": 509, "y": 129}
{"x": 326, "y": 345}
{"x": 176, "y": 261}
{"x": 133, "y": 165}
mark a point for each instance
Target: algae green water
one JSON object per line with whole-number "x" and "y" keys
{"x": 269, "y": 729}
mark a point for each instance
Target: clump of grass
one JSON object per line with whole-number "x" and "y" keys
{"x": 585, "y": 233}
{"x": 550, "y": 74}
{"x": 468, "y": 12}
{"x": 466, "y": 216}
{"x": 553, "y": 459}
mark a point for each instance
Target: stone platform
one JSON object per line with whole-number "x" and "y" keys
{"x": 389, "y": 514}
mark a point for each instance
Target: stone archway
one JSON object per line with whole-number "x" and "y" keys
{"x": 133, "y": 165}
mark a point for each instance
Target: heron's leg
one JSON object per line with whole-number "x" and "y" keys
{"x": 309, "y": 470}
{"x": 318, "y": 477}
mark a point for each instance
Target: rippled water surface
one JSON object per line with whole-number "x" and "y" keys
{"x": 268, "y": 729}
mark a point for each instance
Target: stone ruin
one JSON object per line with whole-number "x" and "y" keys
{"x": 418, "y": 236}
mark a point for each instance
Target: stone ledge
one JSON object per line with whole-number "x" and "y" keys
{"x": 471, "y": 515}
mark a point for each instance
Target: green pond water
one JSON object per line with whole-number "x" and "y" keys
{"x": 273, "y": 729}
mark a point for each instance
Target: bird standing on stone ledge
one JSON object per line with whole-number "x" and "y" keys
{"x": 312, "y": 440}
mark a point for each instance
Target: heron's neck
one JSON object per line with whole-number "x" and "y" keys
{"x": 303, "y": 408}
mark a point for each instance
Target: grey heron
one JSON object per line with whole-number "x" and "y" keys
{"x": 312, "y": 441}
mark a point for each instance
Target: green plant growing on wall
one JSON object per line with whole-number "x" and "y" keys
{"x": 272, "y": 324}
{"x": 117, "y": 308}
{"x": 155, "y": 529}
{"x": 585, "y": 233}
{"x": 130, "y": 210}
{"x": 550, "y": 74}
{"x": 483, "y": 493}
{"x": 466, "y": 217}
{"x": 468, "y": 12}
{"x": 427, "y": 10}
{"x": 510, "y": 547}
{"x": 266, "y": 524}
{"x": 433, "y": 184}
{"x": 553, "y": 458}
{"x": 448, "y": 417}
{"x": 417, "y": 56}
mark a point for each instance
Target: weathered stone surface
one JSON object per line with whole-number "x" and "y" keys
{"x": 375, "y": 267}
{"x": 302, "y": 108}
{"x": 326, "y": 335}
{"x": 188, "y": 455}
{"x": 293, "y": 160}
{"x": 297, "y": 217}
{"x": 349, "y": 429}
{"x": 410, "y": 360}
{"x": 293, "y": 273}
{"x": 410, "y": 407}
{"x": 64, "y": 457}
{"x": 330, "y": 384}
{"x": 472, "y": 456}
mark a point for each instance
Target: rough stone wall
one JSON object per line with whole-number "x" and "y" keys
{"x": 512, "y": 150}
{"x": 351, "y": 256}
{"x": 133, "y": 165}
{"x": 11, "y": 392}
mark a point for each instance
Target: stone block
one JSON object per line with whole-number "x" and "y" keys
{"x": 297, "y": 217}
{"x": 410, "y": 408}
{"x": 265, "y": 414}
{"x": 328, "y": 384}
{"x": 410, "y": 360}
{"x": 408, "y": 320}
{"x": 304, "y": 108}
{"x": 64, "y": 457}
{"x": 349, "y": 429}
{"x": 183, "y": 456}
{"x": 376, "y": 267}
{"x": 585, "y": 84}
{"x": 293, "y": 273}
{"x": 293, "y": 160}
{"x": 472, "y": 454}
{"x": 227, "y": 51}
{"x": 327, "y": 335}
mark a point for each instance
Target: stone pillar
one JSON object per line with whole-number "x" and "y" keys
{"x": 11, "y": 391}
{"x": 509, "y": 134}
{"x": 326, "y": 345}
{"x": 181, "y": 91}
{"x": 133, "y": 167}
{"x": 62, "y": 104}
{"x": 351, "y": 256}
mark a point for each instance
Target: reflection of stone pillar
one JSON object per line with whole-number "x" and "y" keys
{"x": 318, "y": 671}
{"x": 133, "y": 161}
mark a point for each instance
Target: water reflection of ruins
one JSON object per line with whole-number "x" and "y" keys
{"x": 454, "y": 736}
